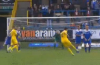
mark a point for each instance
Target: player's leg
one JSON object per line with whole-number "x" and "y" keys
{"x": 71, "y": 45}
{"x": 68, "y": 47}
{"x": 16, "y": 45}
{"x": 19, "y": 44}
{"x": 70, "y": 51}
{"x": 11, "y": 45}
{"x": 89, "y": 48}
{"x": 19, "y": 47}
{"x": 8, "y": 48}
{"x": 6, "y": 43}
{"x": 85, "y": 47}
{"x": 62, "y": 45}
{"x": 77, "y": 46}
{"x": 77, "y": 42}
{"x": 55, "y": 44}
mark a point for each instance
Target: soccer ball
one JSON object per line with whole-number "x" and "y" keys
{"x": 79, "y": 47}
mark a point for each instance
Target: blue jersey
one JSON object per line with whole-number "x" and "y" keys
{"x": 87, "y": 34}
{"x": 78, "y": 35}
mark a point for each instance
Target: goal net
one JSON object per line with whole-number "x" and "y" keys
{"x": 44, "y": 27}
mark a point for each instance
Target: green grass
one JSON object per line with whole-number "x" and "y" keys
{"x": 47, "y": 56}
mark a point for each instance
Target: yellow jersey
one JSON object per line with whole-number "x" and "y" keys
{"x": 64, "y": 34}
{"x": 13, "y": 34}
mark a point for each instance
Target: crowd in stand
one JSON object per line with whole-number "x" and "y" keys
{"x": 64, "y": 7}
{"x": 85, "y": 8}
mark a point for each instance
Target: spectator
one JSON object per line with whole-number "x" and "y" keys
{"x": 34, "y": 6}
{"x": 58, "y": 7}
{"x": 76, "y": 13}
{"x": 54, "y": 1}
{"x": 72, "y": 25}
{"x": 49, "y": 21}
{"x": 83, "y": 4}
{"x": 66, "y": 7}
{"x": 94, "y": 4}
{"x": 58, "y": 11}
{"x": 51, "y": 6}
{"x": 62, "y": 5}
{"x": 30, "y": 11}
{"x": 97, "y": 5}
{"x": 88, "y": 3}
{"x": 40, "y": 15}
{"x": 35, "y": 12}
{"x": 89, "y": 12}
{"x": 67, "y": 2}
{"x": 40, "y": 7}
{"x": 37, "y": 2}
{"x": 71, "y": 6}
{"x": 85, "y": 24}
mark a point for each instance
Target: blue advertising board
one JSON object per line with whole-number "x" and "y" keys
{"x": 43, "y": 44}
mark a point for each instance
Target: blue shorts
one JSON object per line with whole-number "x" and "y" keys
{"x": 78, "y": 41}
{"x": 85, "y": 42}
{"x": 8, "y": 41}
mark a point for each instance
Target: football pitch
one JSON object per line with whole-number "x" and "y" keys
{"x": 49, "y": 56}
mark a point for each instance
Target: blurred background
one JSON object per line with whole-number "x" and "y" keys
{"x": 48, "y": 8}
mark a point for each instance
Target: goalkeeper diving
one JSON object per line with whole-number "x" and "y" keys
{"x": 65, "y": 41}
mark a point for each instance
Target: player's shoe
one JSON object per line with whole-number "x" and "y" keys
{"x": 7, "y": 51}
{"x": 19, "y": 51}
{"x": 73, "y": 54}
{"x": 77, "y": 51}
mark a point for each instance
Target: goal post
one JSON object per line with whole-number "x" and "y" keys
{"x": 45, "y": 27}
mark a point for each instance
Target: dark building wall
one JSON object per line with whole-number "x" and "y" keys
{"x": 3, "y": 28}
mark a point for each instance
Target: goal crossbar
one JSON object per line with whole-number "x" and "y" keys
{"x": 52, "y": 17}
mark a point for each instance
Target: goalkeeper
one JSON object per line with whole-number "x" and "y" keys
{"x": 58, "y": 39}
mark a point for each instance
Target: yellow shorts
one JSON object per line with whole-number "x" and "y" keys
{"x": 14, "y": 42}
{"x": 66, "y": 43}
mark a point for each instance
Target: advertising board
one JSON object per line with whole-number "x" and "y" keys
{"x": 6, "y": 4}
{"x": 95, "y": 33}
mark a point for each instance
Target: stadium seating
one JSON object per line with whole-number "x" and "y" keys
{"x": 66, "y": 9}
